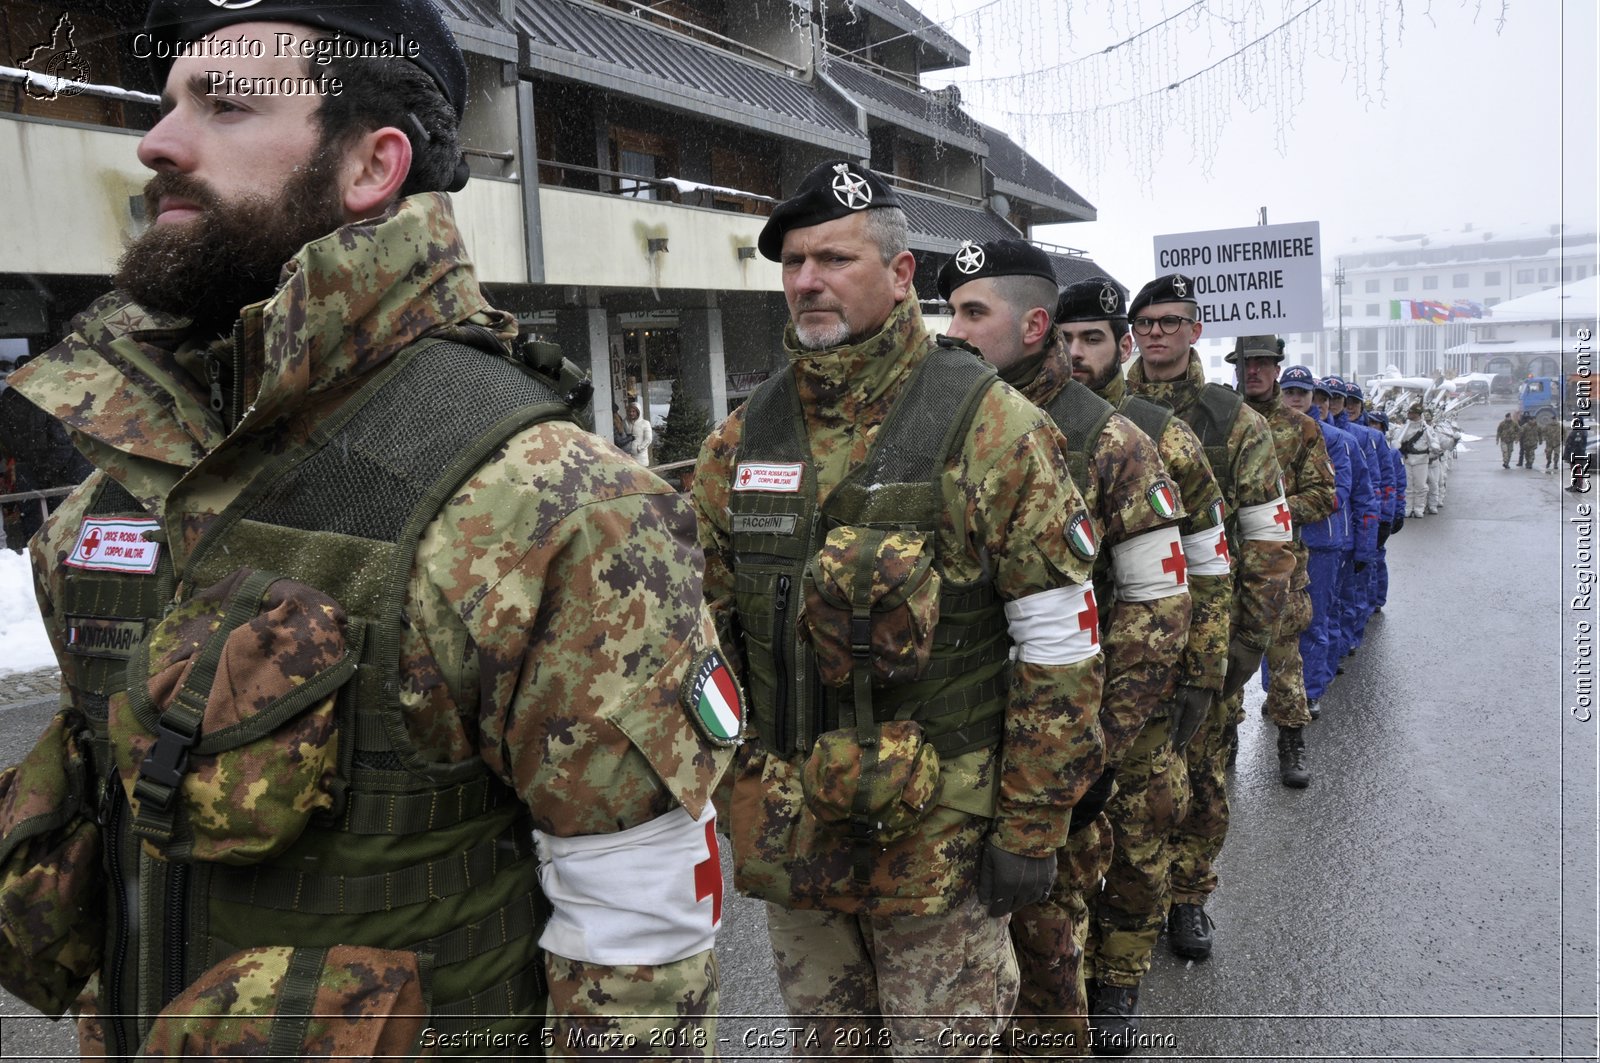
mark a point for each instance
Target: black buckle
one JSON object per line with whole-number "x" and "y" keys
{"x": 165, "y": 765}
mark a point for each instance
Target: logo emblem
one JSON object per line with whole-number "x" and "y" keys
{"x": 1109, "y": 299}
{"x": 1161, "y": 500}
{"x": 970, "y": 258}
{"x": 116, "y": 544}
{"x": 851, "y": 189}
{"x": 1180, "y": 286}
{"x": 1080, "y": 536}
{"x": 55, "y": 69}
{"x": 712, "y": 698}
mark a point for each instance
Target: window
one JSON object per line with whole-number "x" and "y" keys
{"x": 1566, "y": 274}
{"x": 1459, "y": 281}
{"x": 1493, "y": 300}
{"x": 1344, "y": 309}
{"x": 1372, "y": 285}
{"x": 1491, "y": 278}
{"x": 1402, "y": 284}
{"x": 747, "y": 173}
{"x": 639, "y": 154}
{"x": 1583, "y": 271}
{"x": 1524, "y": 276}
{"x": 1372, "y": 309}
{"x": 1430, "y": 284}
{"x": 1544, "y": 276}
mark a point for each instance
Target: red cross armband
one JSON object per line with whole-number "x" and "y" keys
{"x": 648, "y": 895}
{"x": 1150, "y": 566}
{"x": 1055, "y": 627}
{"x": 1269, "y": 522}
{"x": 1207, "y": 552}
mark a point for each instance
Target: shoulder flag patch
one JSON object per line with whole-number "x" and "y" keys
{"x": 712, "y": 699}
{"x": 1217, "y": 512}
{"x": 1161, "y": 500}
{"x": 1080, "y": 536}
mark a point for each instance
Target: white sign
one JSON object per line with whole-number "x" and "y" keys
{"x": 1265, "y": 278}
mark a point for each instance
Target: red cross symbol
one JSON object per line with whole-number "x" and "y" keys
{"x": 744, "y": 476}
{"x": 1175, "y": 562}
{"x": 1282, "y": 516}
{"x": 708, "y": 875}
{"x": 92, "y": 543}
{"x": 1222, "y": 549}
{"x": 1089, "y": 619}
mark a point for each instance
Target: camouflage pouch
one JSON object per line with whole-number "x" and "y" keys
{"x": 228, "y": 740}
{"x": 342, "y": 1002}
{"x": 52, "y": 888}
{"x": 876, "y": 786}
{"x": 875, "y": 590}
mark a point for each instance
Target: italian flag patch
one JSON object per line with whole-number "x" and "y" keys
{"x": 712, "y": 698}
{"x": 1080, "y": 536}
{"x": 1161, "y": 500}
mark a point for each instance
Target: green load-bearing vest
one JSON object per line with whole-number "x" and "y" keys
{"x": 1212, "y": 417}
{"x": 432, "y": 858}
{"x": 1082, "y": 416}
{"x": 960, "y": 699}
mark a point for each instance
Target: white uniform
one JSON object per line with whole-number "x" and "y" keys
{"x": 1414, "y": 441}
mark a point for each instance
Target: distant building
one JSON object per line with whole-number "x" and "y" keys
{"x": 624, "y": 158}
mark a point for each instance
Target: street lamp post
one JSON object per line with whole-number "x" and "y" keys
{"x": 1338, "y": 285}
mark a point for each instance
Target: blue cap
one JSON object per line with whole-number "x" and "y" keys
{"x": 1298, "y": 377}
{"x": 1352, "y": 390}
{"x": 1332, "y": 385}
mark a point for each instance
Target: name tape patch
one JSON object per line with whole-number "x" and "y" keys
{"x": 778, "y": 479}
{"x": 116, "y": 544}
{"x": 99, "y": 636}
{"x": 764, "y": 523}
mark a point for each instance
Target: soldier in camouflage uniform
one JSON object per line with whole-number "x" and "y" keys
{"x": 1238, "y": 444}
{"x": 1552, "y": 445}
{"x": 490, "y": 719}
{"x": 1528, "y": 435}
{"x": 1152, "y": 793}
{"x": 1506, "y": 434}
{"x": 1309, "y": 486}
{"x": 1004, "y": 299}
{"x": 873, "y": 427}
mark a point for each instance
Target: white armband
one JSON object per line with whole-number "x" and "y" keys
{"x": 1207, "y": 552}
{"x": 651, "y": 894}
{"x": 1150, "y": 566}
{"x": 1060, "y": 626}
{"x": 1269, "y": 522}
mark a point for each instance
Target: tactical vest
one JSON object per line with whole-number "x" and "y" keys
{"x": 1212, "y": 417}
{"x": 1082, "y": 416}
{"x": 1151, "y": 418}
{"x": 432, "y": 858}
{"x": 960, "y": 699}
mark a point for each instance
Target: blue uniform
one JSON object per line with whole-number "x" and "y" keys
{"x": 1354, "y": 596}
{"x": 1325, "y": 543}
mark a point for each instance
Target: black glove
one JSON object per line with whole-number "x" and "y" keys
{"x": 1093, "y": 801}
{"x": 1361, "y": 566}
{"x": 1187, "y": 713}
{"x": 1243, "y": 662}
{"x": 1007, "y": 881}
{"x": 1396, "y": 524}
{"x": 1385, "y": 529}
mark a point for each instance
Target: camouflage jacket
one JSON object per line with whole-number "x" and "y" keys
{"x": 1205, "y": 652}
{"x": 1308, "y": 478}
{"x": 555, "y": 607}
{"x": 1552, "y": 434}
{"x": 1008, "y": 505}
{"x": 1262, "y": 567}
{"x": 1530, "y": 434}
{"x": 1142, "y": 640}
{"x": 1506, "y": 431}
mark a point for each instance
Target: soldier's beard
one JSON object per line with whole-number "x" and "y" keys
{"x": 821, "y": 337}
{"x": 1097, "y": 382}
{"x": 231, "y": 254}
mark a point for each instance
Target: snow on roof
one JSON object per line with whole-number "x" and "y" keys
{"x": 1571, "y": 302}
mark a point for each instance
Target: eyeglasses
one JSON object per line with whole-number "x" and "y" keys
{"x": 1169, "y": 324}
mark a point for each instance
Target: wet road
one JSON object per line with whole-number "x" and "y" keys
{"x": 1432, "y": 895}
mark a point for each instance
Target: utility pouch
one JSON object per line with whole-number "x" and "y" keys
{"x": 340, "y": 1002}
{"x": 52, "y": 885}
{"x": 876, "y": 786}
{"x": 227, "y": 741}
{"x": 877, "y": 588}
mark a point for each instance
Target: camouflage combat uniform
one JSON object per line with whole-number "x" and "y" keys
{"x": 1262, "y": 570}
{"x": 1529, "y": 436}
{"x": 1007, "y": 505}
{"x": 1130, "y": 494}
{"x": 552, "y": 610}
{"x": 1152, "y": 778}
{"x": 1308, "y": 484}
{"x": 1552, "y": 445}
{"x": 1506, "y": 435}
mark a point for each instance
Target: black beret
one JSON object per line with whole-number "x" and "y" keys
{"x": 997, "y": 258}
{"x": 833, "y": 190}
{"x": 1255, "y": 347}
{"x": 381, "y": 21}
{"x": 1095, "y": 299}
{"x": 1173, "y": 288}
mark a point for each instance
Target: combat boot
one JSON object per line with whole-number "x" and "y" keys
{"x": 1292, "y": 769}
{"x": 1111, "y": 1011}
{"x": 1315, "y": 708}
{"x": 1189, "y": 932}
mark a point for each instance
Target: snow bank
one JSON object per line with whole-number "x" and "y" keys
{"x": 23, "y": 645}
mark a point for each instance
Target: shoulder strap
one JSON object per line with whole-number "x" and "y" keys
{"x": 1219, "y": 408}
{"x": 1151, "y": 418}
{"x": 1081, "y": 415}
{"x": 774, "y": 427}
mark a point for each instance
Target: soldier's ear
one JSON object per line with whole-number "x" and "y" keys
{"x": 374, "y": 170}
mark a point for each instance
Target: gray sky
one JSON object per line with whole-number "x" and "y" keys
{"x": 1471, "y": 126}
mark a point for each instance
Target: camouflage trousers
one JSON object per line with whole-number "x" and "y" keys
{"x": 895, "y": 987}
{"x": 1199, "y": 837}
{"x": 1505, "y": 453}
{"x": 1151, "y": 800}
{"x": 1283, "y": 672}
{"x": 1052, "y": 1006}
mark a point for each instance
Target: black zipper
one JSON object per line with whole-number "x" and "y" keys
{"x": 172, "y": 974}
{"x": 124, "y": 926}
{"x": 780, "y": 662}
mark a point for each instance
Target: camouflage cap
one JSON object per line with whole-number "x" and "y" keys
{"x": 1255, "y": 347}
{"x": 833, "y": 190}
